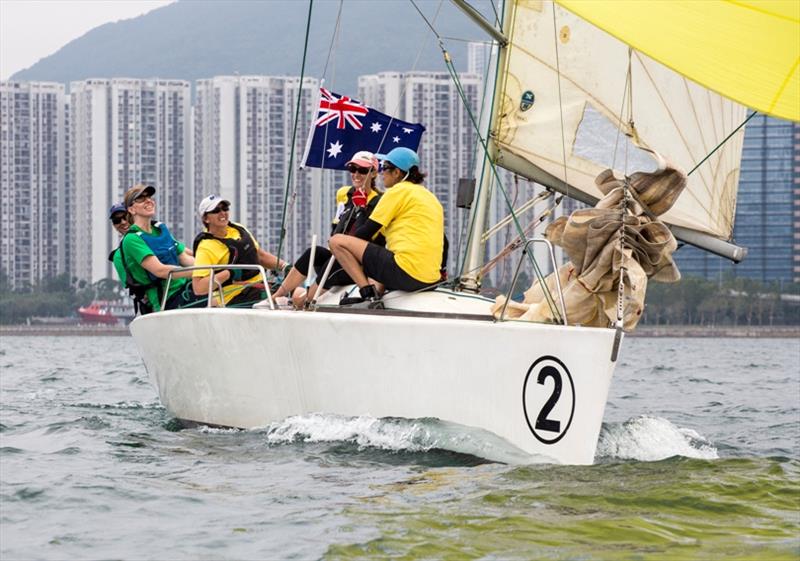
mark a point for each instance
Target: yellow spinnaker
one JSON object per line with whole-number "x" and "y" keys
{"x": 746, "y": 50}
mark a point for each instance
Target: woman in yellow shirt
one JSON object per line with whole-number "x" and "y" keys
{"x": 412, "y": 221}
{"x": 224, "y": 242}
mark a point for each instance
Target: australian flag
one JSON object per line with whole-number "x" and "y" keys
{"x": 344, "y": 125}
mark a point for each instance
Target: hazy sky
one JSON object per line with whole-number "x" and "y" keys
{"x": 33, "y": 29}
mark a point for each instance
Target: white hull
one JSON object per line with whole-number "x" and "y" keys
{"x": 248, "y": 368}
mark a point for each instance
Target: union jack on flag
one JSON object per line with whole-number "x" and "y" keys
{"x": 344, "y": 126}
{"x": 343, "y": 109}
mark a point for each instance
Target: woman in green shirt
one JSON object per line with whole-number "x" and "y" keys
{"x": 149, "y": 253}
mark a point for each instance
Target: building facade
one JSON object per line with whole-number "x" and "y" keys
{"x": 767, "y": 209}
{"x": 32, "y": 182}
{"x": 243, "y": 128}
{"x": 124, "y": 132}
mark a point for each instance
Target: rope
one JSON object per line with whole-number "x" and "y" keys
{"x": 718, "y": 146}
{"x": 294, "y": 134}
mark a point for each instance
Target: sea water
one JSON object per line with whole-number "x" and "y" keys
{"x": 699, "y": 458}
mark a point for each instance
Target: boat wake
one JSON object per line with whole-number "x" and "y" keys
{"x": 643, "y": 438}
{"x": 650, "y": 439}
{"x": 399, "y": 435}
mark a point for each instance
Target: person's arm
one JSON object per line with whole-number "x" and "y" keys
{"x": 155, "y": 267}
{"x": 200, "y": 284}
{"x": 367, "y": 230}
{"x": 186, "y": 258}
{"x": 269, "y": 261}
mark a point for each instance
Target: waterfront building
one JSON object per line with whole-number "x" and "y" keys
{"x": 122, "y": 132}
{"x": 767, "y": 209}
{"x": 243, "y": 127}
{"x": 32, "y": 182}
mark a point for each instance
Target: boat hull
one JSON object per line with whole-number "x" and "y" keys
{"x": 248, "y": 368}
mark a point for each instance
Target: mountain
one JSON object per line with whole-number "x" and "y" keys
{"x": 193, "y": 39}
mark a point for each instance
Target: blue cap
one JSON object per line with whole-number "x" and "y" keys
{"x": 118, "y": 207}
{"x": 402, "y": 158}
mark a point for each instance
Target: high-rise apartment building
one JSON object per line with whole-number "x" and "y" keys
{"x": 124, "y": 132}
{"x": 243, "y": 127}
{"x": 767, "y": 209}
{"x": 32, "y": 184}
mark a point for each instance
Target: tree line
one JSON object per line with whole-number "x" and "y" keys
{"x": 58, "y": 296}
{"x": 730, "y": 302}
{"x": 691, "y": 301}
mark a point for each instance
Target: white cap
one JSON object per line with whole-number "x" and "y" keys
{"x": 210, "y": 203}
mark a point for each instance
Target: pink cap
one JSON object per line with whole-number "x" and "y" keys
{"x": 364, "y": 159}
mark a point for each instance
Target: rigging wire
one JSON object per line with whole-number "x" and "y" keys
{"x": 294, "y": 133}
{"x": 334, "y": 47}
{"x": 718, "y": 146}
{"x": 493, "y": 168}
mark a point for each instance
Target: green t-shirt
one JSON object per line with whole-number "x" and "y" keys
{"x": 116, "y": 259}
{"x": 136, "y": 250}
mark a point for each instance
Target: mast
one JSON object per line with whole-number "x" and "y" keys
{"x": 484, "y": 172}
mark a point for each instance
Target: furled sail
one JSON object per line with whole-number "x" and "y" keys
{"x": 671, "y": 115}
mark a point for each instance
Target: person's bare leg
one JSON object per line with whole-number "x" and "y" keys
{"x": 292, "y": 281}
{"x": 349, "y": 252}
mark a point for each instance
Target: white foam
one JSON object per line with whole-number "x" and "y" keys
{"x": 651, "y": 439}
{"x": 411, "y": 435}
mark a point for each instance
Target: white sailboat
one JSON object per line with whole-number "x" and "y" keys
{"x": 541, "y": 386}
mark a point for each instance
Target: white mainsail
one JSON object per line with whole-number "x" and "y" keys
{"x": 672, "y": 115}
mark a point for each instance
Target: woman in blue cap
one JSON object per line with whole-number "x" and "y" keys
{"x": 411, "y": 219}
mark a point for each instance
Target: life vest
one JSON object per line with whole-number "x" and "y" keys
{"x": 355, "y": 213}
{"x": 242, "y": 251}
{"x": 166, "y": 246}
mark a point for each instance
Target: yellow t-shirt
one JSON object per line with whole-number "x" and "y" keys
{"x": 214, "y": 252}
{"x": 413, "y": 224}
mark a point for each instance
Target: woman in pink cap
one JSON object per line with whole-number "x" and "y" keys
{"x": 354, "y": 205}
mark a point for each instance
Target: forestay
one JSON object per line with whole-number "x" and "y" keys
{"x": 672, "y": 116}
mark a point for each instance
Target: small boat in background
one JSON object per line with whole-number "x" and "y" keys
{"x": 107, "y": 312}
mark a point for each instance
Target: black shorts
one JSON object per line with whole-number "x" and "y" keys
{"x": 337, "y": 276}
{"x": 379, "y": 264}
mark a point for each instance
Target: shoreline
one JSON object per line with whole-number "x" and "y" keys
{"x": 740, "y": 331}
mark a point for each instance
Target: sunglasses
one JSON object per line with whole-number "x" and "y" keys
{"x": 142, "y": 198}
{"x": 352, "y": 168}
{"x": 117, "y": 218}
{"x": 386, "y": 166}
{"x": 222, "y": 207}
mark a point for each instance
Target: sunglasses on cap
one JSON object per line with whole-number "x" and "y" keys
{"x": 353, "y": 168}
{"x": 221, "y": 207}
{"x": 117, "y": 218}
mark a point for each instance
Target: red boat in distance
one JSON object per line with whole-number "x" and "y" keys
{"x": 106, "y": 312}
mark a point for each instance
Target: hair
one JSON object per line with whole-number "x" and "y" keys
{"x": 415, "y": 176}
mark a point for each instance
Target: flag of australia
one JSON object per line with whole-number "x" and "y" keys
{"x": 345, "y": 125}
